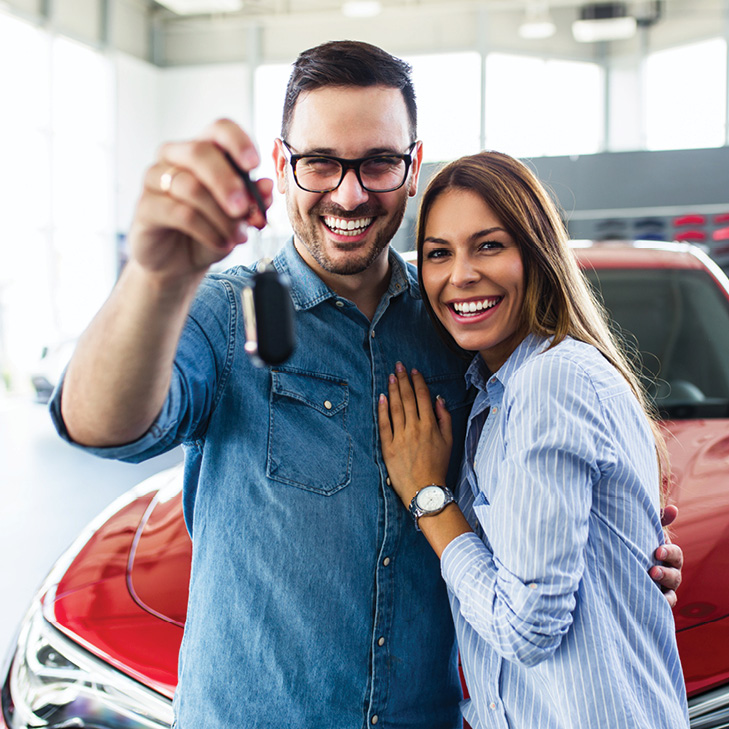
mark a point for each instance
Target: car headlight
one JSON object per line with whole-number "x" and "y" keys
{"x": 55, "y": 683}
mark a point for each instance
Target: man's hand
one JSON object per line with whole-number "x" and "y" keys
{"x": 194, "y": 208}
{"x": 668, "y": 574}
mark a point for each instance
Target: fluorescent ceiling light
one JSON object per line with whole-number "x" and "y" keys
{"x": 537, "y": 29}
{"x": 361, "y": 8}
{"x": 538, "y": 22}
{"x": 591, "y": 31}
{"x": 202, "y": 7}
{"x": 604, "y": 21}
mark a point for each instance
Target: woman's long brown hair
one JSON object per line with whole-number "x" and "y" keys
{"x": 558, "y": 300}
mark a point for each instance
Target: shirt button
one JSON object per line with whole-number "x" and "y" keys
{"x": 381, "y": 642}
{"x": 339, "y": 303}
{"x": 375, "y": 719}
{"x": 532, "y": 586}
{"x": 492, "y": 705}
{"x": 372, "y": 334}
{"x": 386, "y": 561}
{"x": 327, "y": 405}
{"x": 494, "y": 410}
{"x": 388, "y": 482}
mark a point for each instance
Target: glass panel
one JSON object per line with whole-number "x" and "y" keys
{"x": 576, "y": 103}
{"x": 448, "y": 92}
{"x": 83, "y": 89}
{"x": 83, "y": 274}
{"x": 269, "y": 92}
{"x": 25, "y": 77}
{"x": 556, "y": 110}
{"x": 56, "y": 134}
{"x": 25, "y": 181}
{"x": 686, "y": 96}
{"x": 680, "y": 321}
{"x": 82, "y": 186}
{"x": 514, "y": 120}
{"x": 27, "y": 322}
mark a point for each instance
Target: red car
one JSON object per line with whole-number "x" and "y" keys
{"x": 99, "y": 646}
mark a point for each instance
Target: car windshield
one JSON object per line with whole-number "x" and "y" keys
{"x": 678, "y": 320}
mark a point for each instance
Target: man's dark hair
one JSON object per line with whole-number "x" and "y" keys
{"x": 348, "y": 63}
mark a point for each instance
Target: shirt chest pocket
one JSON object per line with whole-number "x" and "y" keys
{"x": 309, "y": 445}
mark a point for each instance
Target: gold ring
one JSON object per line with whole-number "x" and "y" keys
{"x": 165, "y": 182}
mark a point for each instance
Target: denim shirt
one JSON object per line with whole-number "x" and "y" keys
{"x": 314, "y": 602}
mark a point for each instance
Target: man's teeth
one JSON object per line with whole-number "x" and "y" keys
{"x": 473, "y": 307}
{"x": 347, "y": 226}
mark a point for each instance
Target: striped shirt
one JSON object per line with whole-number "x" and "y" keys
{"x": 558, "y": 621}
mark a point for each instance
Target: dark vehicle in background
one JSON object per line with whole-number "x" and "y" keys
{"x": 99, "y": 645}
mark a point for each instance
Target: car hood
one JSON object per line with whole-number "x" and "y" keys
{"x": 699, "y": 451}
{"x": 123, "y": 593}
{"x": 90, "y": 594}
{"x": 160, "y": 558}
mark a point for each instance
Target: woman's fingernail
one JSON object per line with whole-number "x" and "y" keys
{"x": 392, "y": 379}
{"x": 382, "y": 397}
{"x": 399, "y": 367}
{"x": 413, "y": 371}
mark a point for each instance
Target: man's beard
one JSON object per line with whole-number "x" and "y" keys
{"x": 307, "y": 231}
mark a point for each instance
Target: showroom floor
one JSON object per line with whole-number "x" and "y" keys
{"x": 48, "y": 492}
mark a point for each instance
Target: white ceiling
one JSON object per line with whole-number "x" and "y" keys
{"x": 277, "y": 30}
{"x": 274, "y": 30}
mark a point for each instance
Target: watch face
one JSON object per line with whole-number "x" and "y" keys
{"x": 431, "y": 498}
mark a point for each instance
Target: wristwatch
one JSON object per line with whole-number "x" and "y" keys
{"x": 429, "y": 500}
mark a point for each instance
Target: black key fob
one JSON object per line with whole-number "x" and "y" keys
{"x": 269, "y": 317}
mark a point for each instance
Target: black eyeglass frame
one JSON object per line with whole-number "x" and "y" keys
{"x": 350, "y": 164}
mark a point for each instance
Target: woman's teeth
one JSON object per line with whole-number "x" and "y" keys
{"x": 466, "y": 308}
{"x": 345, "y": 226}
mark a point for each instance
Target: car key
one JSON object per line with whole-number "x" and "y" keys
{"x": 268, "y": 316}
{"x": 268, "y": 312}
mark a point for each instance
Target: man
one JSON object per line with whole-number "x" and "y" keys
{"x": 313, "y": 600}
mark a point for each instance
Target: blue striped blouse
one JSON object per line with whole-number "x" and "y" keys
{"x": 558, "y": 621}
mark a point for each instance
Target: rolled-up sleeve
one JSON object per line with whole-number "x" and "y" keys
{"x": 202, "y": 363}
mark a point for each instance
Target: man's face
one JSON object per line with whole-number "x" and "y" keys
{"x": 346, "y": 230}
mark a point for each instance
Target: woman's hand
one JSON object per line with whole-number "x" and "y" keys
{"x": 416, "y": 440}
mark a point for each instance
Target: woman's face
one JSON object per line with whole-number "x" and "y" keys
{"x": 473, "y": 275}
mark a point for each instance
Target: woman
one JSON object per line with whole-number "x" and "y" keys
{"x": 546, "y": 553}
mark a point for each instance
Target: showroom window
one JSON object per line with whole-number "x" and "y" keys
{"x": 57, "y": 258}
{"x": 448, "y": 89}
{"x": 268, "y": 96}
{"x": 537, "y": 107}
{"x": 686, "y": 96}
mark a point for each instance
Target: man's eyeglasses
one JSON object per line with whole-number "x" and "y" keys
{"x": 324, "y": 173}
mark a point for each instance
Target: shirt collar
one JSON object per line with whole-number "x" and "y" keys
{"x": 308, "y": 290}
{"x": 478, "y": 373}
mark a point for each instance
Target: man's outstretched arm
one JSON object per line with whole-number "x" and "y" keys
{"x": 193, "y": 210}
